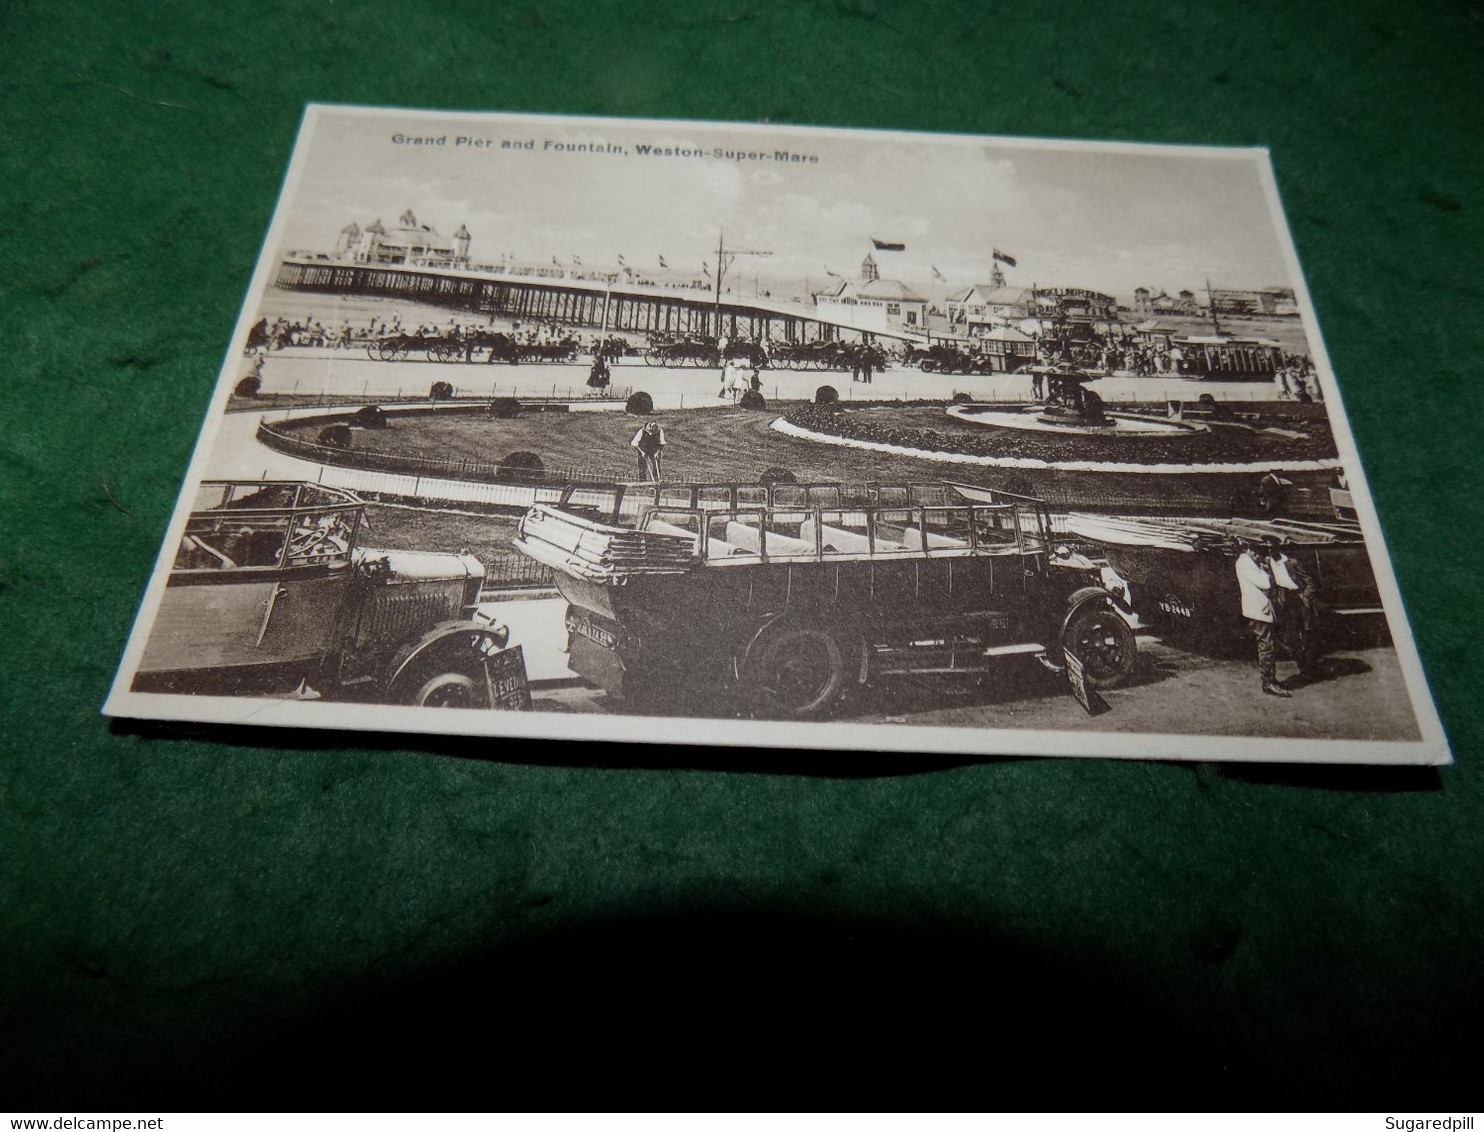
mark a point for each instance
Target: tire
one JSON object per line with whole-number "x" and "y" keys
{"x": 448, "y": 674}
{"x": 449, "y": 690}
{"x": 652, "y": 357}
{"x": 801, "y": 671}
{"x": 387, "y": 352}
{"x": 1102, "y": 640}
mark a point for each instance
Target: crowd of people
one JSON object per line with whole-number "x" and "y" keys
{"x": 270, "y": 335}
{"x": 1294, "y": 375}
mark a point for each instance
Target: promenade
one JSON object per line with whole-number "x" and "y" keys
{"x": 316, "y": 371}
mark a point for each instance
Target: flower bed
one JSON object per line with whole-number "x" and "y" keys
{"x": 1238, "y": 440}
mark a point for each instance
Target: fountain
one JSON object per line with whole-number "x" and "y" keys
{"x": 1069, "y": 402}
{"x": 1071, "y": 408}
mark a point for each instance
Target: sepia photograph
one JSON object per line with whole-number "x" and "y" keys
{"x": 780, "y": 436}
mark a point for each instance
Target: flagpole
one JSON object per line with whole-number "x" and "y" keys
{"x": 716, "y": 307}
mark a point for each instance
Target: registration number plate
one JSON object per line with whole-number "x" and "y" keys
{"x": 595, "y": 633}
{"x": 509, "y": 687}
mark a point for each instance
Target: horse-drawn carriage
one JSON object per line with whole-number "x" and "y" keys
{"x": 612, "y": 347}
{"x": 682, "y": 352}
{"x": 471, "y": 345}
{"x": 828, "y": 355}
{"x": 703, "y": 353}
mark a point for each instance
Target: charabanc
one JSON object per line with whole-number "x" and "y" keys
{"x": 791, "y": 596}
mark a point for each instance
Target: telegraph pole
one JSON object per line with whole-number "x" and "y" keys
{"x": 724, "y": 259}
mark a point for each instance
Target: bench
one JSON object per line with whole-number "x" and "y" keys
{"x": 912, "y": 540}
{"x": 841, "y": 541}
{"x": 715, "y": 547}
{"x": 748, "y": 537}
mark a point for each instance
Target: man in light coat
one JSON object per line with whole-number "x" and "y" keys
{"x": 1256, "y": 583}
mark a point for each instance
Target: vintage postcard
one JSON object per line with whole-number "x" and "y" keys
{"x": 683, "y": 432}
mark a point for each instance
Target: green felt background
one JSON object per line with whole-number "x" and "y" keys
{"x": 249, "y": 918}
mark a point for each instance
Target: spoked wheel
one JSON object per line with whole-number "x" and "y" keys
{"x": 802, "y": 671}
{"x": 448, "y": 674}
{"x": 450, "y": 690}
{"x": 1102, "y": 640}
{"x": 653, "y": 358}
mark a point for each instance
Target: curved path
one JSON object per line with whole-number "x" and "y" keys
{"x": 350, "y": 372}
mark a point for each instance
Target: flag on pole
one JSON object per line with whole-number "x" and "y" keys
{"x": 706, "y": 268}
{"x": 621, "y": 262}
{"x": 938, "y": 274}
{"x": 576, "y": 261}
{"x": 1003, "y": 258}
{"x": 887, "y": 245}
{"x": 830, "y": 273}
{"x": 556, "y": 261}
{"x": 663, "y": 264}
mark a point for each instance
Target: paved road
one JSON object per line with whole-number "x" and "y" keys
{"x": 1176, "y": 693}
{"x": 342, "y": 372}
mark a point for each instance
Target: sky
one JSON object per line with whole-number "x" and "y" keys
{"x": 1070, "y": 215}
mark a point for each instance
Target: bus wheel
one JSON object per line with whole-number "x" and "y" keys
{"x": 802, "y": 670}
{"x": 1102, "y": 640}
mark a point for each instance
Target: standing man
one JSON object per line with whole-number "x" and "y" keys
{"x": 649, "y": 443}
{"x": 1272, "y": 495}
{"x": 1256, "y": 585}
{"x": 1300, "y": 617}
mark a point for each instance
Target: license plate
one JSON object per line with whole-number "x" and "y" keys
{"x": 509, "y": 687}
{"x": 595, "y": 633}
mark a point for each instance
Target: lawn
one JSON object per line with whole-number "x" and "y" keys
{"x": 732, "y": 444}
